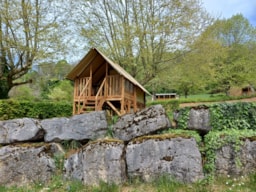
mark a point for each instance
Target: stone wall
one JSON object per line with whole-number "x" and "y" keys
{"x": 30, "y": 148}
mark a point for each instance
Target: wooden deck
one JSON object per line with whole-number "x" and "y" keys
{"x": 112, "y": 89}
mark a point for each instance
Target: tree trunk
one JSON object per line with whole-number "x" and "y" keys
{"x": 4, "y": 89}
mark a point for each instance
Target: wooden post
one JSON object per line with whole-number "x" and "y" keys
{"x": 134, "y": 99}
{"x": 106, "y": 76}
{"x": 122, "y": 95}
{"x": 90, "y": 79}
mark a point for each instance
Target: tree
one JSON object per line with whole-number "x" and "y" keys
{"x": 141, "y": 35}
{"x": 235, "y": 65}
{"x": 63, "y": 91}
{"x": 222, "y": 56}
{"x": 28, "y": 34}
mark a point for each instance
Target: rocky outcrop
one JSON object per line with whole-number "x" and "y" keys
{"x": 144, "y": 122}
{"x": 101, "y": 160}
{"x": 79, "y": 127}
{"x": 155, "y": 156}
{"x": 20, "y": 130}
{"x": 24, "y": 164}
{"x": 145, "y": 157}
{"x": 230, "y": 161}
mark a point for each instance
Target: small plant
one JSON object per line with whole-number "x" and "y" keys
{"x": 235, "y": 184}
{"x": 166, "y": 183}
{"x": 106, "y": 187}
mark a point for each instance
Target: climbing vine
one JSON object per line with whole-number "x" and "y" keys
{"x": 214, "y": 140}
{"x": 182, "y": 117}
{"x": 236, "y": 116}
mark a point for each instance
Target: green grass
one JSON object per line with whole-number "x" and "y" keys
{"x": 162, "y": 184}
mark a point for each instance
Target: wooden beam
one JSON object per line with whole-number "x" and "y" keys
{"x": 90, "y": 85}
{"x": 107, "y": 86}
{"x": 122, "y": 94}
{"x": 134, "y": 99}
{"x": 85, "y": 66}
{"x": 114, "y": 108}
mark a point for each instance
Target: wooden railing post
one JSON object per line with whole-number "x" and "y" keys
{"x": 122, "y": 94}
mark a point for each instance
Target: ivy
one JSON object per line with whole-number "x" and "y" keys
{"x": 214, "y": 140}
{"x": 183, "y": 117}
{"x": 236, "y": 116}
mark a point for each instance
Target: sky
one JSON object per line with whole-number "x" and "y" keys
{"x": 228, "y": 8}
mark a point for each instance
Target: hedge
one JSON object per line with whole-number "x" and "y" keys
{"x": 11, "y": 109}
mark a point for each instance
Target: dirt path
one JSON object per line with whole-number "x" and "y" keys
{"x": 253, "y": 99}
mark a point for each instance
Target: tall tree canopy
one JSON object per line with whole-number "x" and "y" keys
{"x": 221, "y": 57}
{"x": 141, "y": 35}
{"x": 236, "y": 64}
{"x": 28, "y": 33}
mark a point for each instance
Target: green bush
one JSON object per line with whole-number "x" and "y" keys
{"x": 11, "y": 109}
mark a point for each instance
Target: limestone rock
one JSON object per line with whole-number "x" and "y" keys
{"x": 199, "y": 119}
{"x": 153, "y": 157}
{"x": 20, "y": 130}
{"x": 74, "y": 166}
{"x": 144, "y": 122}
{"x": 78, "y": 127}
{"x": 22, "y": 165}
{"x": 98, "y": 161}
{"x": 229, "y": 162}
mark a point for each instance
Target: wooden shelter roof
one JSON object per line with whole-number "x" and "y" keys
{"x": 91, "y": 57}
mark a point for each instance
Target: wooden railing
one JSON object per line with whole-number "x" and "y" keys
{"x": 100, "y": 94}
{"x": 110, "y": 87}
{"x": 114, "y": 85}
{"x": 82, "y": 88}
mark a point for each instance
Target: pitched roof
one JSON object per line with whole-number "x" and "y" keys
{"x": 81, "y": 66}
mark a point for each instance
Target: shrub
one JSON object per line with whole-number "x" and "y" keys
{"x": 11, "y": 109}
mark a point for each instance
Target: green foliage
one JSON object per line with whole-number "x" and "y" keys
{"x": 233, "y": 115}
{"x": 241, "y": 115}
{"x": 183, "y": 117}
{"x": 59, "y": 162}
{"x": 22, "y": 92}
{"x": 63, "y": 91}
{"x": 214, "y": 140}
{"x": 106, "y": 187}
{"x": 183, "y": 132}
{"x": 164, "y": 183}
{"x": 10, "y": 109}
{"x": 70, "y": 145}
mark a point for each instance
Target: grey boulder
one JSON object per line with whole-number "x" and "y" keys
{"x": 155, "y": 156}
{"x": 230, "y": 161}
{"x": 146, "y": 121}
{"x": 101, "y": 160}
{"x": 23, "y": 164}
{"x": 79, "y": 127}
{"x": 20, "y": 130}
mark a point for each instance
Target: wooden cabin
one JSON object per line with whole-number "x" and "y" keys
{"x": 101, "y": 84}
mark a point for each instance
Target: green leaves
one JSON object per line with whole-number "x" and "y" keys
{"x": 214, "y": 140}
{"x": 10, "y": 109}
{"x": 233, "y": 116}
